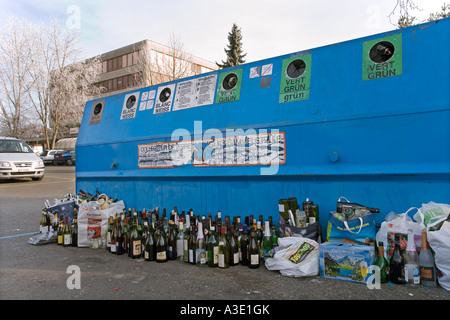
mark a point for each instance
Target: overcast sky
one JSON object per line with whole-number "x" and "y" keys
{"x": 269, "y": 27}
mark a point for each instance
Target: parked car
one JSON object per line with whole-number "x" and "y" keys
{"x": 17, "y": 160}
{"x": 65, "y": 157}
{"x": 48, "y": 155}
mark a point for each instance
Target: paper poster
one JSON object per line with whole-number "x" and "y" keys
{"x": 239, "y": 150}
{"x": 195, "y": 93}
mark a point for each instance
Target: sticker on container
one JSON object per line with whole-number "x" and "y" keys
{"x": 130, "y": 106}
{"x": 164, "y": 99}
{"x": 295, "y": 78}
{"x": 97, "y": 112}
{"x": 382, "y": 58}
{"x": 229, "y": 86}
{"x": 195, "y": 93}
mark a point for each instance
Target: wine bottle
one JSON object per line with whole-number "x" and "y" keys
{"x": 192, "y": 246}
{"x": 136, "y": 245}
{"x": 75, "y": 233}
{"x": 180, "y": 240}
{"x": 150, "y": 251}
{"x": 172, "y": 242}
{"x": 234, "y": 248}
{"x": 60, "y": 232}
{"x": 412, "y": 274}
{"x": 382, "y": 263}
{"x": 212, "y": 248}
{"x": 244, "y": 246}
{"x": 109, "y": 234}
{"x": 200, "y": 255}
{"x": 55, "y": 222}
{"x": 161, "y": 245}
{"x": 224, "y": 250}
{"x": 253, "y": 251}
{"x": 186, "y": 238}
{"x": 113, "y": 243}
{"x": 267, "y": 242}
{"x": 120, "y": 245}
{"x": 67, "y": 234}
{"x": 397, "y": 263}
{"x": 144, "y": 234}
{"x": 426, "y": 263}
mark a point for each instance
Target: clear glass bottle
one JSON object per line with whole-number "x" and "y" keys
{"x": 412, "y": 275}
{"x": 426, "y": 263}
{"x": 200, "y": 248}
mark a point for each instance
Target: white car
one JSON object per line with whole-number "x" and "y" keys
{"x": 17, "y": 160}
{"x": 49, "y": 155}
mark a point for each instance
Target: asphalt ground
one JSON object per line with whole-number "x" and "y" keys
{"x": 29, "y": 272}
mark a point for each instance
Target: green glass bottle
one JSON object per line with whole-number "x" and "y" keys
{"x": 161, "y": 245}
{"x": 253, "y": 251}
{"x": 136, "y": 243}
{"x": 224, "y": 249}
{"x": 212, "y": 248}
{"x": 381, "y": 262}
{"x": 234, "y": 248}
{"x": 267, "y": 244}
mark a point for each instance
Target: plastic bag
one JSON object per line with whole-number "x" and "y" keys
{"x": 400, "y": 225}
{"x": 431, "y": 215}
{"x": 439, "y": 241}
{"x": 297, "y": 257}
{"x": 43, "y": 238}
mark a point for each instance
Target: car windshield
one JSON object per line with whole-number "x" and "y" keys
{"x": 14, "y": 146}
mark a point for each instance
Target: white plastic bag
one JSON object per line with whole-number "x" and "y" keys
{"x": 388, "y": 229}
{"x": 297, "y": 257}
{"x": 431, "y": 215}
{"x": 93, "y": 221}
{"x": 439, "y": 241}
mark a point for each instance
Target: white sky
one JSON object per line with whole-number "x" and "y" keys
{"x": 269, "y": 27}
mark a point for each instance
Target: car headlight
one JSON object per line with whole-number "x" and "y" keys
{"x": 39, "y": 163}
{"x": 5, "y": 164}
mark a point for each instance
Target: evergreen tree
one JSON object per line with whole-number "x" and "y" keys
{"x": 235, "y": 55}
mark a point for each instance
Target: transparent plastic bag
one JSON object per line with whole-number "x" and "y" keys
{"x": 43, "y": 238}
{"x": 431, "y": 215}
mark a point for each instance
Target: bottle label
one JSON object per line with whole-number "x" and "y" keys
{"x": 201, "y": 256}
{"x": 137, "y": 247}
{"x": 216, "y": 255}
{"x": 221, "y": 260}
{"x": 161, "y": 255}
{"x": 113, "y": 248}
{"x": 60, "y": 239}
{"x": 254, "y": 259}
{"x": 427, "y": 274}
{"x": 67, "y": 239}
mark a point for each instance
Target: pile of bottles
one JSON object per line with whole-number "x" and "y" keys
{"x": 195, "y": 239}
{"x": 67, "y": 231}
{"x": 407, "y": 266}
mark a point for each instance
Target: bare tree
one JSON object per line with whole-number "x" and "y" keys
{"x": 16, "y": 54}
{"x": 164, "y": 63}
{"x": 62, "y": 84}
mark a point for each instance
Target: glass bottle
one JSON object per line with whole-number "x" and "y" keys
{"x": 212, "y": 248}
{"x": 397, "y": 263}
{"x": 234, "y": 249}
{"x": 67, "y": 234}
{"x": 136, "y": 244}
{"x": 244, "y": 246}
{"x": 253, "y": 250}
{"x": 75, "y": 233}
{"x": 267, "y": 242}
{"x": 120, "y": 244}
{"x": 109, "y": 234}
{"x": 186, "y": 238}
{"x": 172, "y": 242}
{"x": 200, "y": 255}
{"x": 426, "y": 263}
{"x": 192, "y": 246}
{"x": 180, "y": 240}
{"x": 412, "y": 274}
{"x": 60, "y": 232}
{"x": 43, "y": 223}
{"x": 224, "y": 251}
{"x": 150, "y": 253}
{"x": 161, "y": 245}
{"x": 382, "y": 263}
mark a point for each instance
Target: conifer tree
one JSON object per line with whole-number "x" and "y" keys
{"x": 235, "y": 55}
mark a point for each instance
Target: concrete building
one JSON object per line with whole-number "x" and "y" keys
{"x": 146, "y": 63}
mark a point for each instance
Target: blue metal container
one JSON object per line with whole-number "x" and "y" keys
{"x": 367, "y": 119}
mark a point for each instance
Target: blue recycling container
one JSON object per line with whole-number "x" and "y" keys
{"x": 367, "y": 119}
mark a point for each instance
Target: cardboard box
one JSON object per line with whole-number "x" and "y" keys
{"x": 347, "y": 262}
